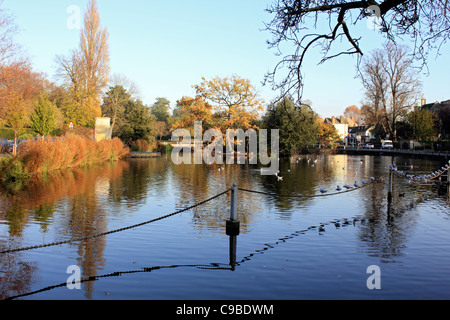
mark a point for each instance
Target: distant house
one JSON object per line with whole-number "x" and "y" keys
{"x": 360, "y": 134}
{"x": 342, "y": 125}
{"x": 442, "y": 109}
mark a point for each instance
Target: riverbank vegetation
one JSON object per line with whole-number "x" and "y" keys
{"x": 47, "y": 155}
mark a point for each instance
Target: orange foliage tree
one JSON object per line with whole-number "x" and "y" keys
{"x": 235, "y": 100}
{"x": 189, "y": 110}
{"x": 16, "y": 75}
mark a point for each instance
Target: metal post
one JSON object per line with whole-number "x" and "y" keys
{"x": 233, "y": 209}
{"x": 232, "y": 225}
{"x": 233, "y": 242}
{"x": 390, "y": 187}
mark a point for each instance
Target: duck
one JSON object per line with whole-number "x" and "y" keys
{"x": 322, "y": 190}
{"x": 338, "y": 188}
{"x": 364, "y": 181}
{"x": 356, "y": 184}
{"x": 347, "y": 186}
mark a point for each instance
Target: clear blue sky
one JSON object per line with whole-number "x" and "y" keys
{"x": 165, "y": 47}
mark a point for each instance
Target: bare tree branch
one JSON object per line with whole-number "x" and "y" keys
{"x": 426, "y": 23}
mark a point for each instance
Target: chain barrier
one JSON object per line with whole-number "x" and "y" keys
{"x": 117, "y": 230}
{"x": 423, "y": 177}
{"x": 211, "y": 266}
{"x": 323, "y": 194}
{"x": 349, "y": 189}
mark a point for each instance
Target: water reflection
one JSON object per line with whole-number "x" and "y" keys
{"x": 89, "y": 281}
{"x": 81, "y": 202}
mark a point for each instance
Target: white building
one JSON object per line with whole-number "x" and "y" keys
{"x": 342, "y": 126}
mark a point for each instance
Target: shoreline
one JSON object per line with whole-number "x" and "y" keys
{"x": 396, "y": 152}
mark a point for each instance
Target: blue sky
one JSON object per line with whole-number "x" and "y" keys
{"x": 166, "y": 47}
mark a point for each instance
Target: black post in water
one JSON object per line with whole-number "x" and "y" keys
{"x": 232, "y": 225}
{"x": 390, "y": 187}
{"x": 233, "y": 243}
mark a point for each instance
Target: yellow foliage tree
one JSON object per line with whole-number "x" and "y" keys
{"x": 192, "y": 109}
{"x": 94, "y": 58}
{"x": 235, "y": 101}
{"x": 86, "y": 72}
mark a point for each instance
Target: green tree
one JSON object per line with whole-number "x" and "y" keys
{"x": 43, "y": 118}
{"x": 298, "y": 126}
{"x": 138, "y": 122}
{"x": 160, "y": 109}
{"x": 423, "y": 123}
{"x": 113, "y": 106}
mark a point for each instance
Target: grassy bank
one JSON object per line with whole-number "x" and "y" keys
{"x": 43, "y": 156}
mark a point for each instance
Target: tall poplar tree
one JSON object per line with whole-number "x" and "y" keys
{"x": 94, "y": 57}
{"x": 86, "y": 71}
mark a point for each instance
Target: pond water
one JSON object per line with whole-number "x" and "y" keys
{"x": 288, "y": 248}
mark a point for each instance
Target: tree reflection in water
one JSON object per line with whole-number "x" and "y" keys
{"x": 79, "y": 202}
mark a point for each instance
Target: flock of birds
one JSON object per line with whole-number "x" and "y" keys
{"x": 346, "y": 186}
{"x": 422, "y": 177}
{"x": 322, "y": 190}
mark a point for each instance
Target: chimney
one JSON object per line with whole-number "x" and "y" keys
{"x": 423, "y": 102}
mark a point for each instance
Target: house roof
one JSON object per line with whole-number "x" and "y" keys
{"x": 357, "y": 129}
{"x": 436, "y": 106}
{"x": 341, "y": 120}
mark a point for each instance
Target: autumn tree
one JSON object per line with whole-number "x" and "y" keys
{"x": 234, "y": 98}
{"x": 188, "y": 110}
{"x": 327, "y": 133}
{"x": 160, "y": 129}
{"x": 8, "y": 30}
{"x": 333, "y": 27}
{"x": 94, "y": 57}
{"x": 85, "y": 72}
{"x": 391, "y": 86}
{"x": 17, "y": 117}
{"x": 354, "y": 113}
{"x": 17, "y": 77}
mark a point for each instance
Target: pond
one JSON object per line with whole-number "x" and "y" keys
{"x": 289, "y": 247}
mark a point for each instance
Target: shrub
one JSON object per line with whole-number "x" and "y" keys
{"x": 140, "y": 145}
{"x": 12, "y": 169}
{"x": 67, "y": 152}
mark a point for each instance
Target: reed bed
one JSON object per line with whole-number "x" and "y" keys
{"x": 67, "y": 152}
